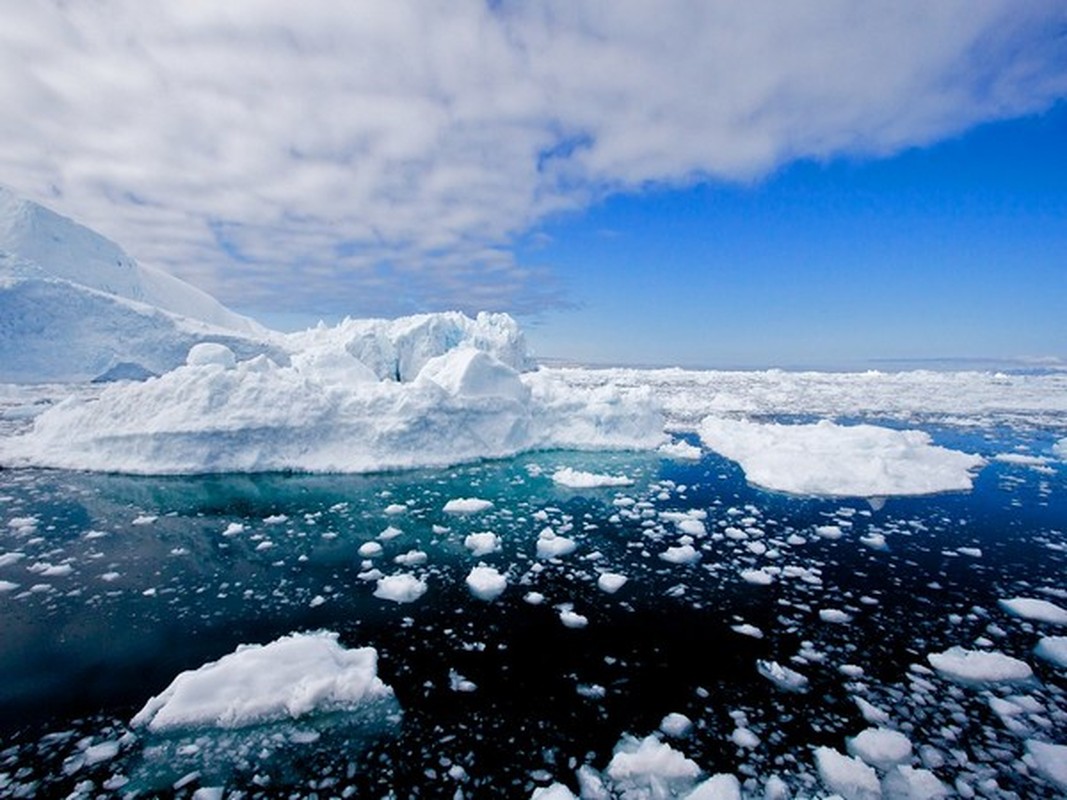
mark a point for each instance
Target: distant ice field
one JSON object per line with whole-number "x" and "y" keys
{"x": 663, "y": 627}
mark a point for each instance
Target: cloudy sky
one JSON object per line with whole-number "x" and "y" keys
{"x": 694, "y": 182}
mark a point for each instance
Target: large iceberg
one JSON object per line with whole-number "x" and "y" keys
{"x": 327, "y": 411}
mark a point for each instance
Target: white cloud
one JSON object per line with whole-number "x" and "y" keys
{"x": 384, "y": 155}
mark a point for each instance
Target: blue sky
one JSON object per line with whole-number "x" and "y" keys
{"x": 696, "y": 182}
{"x": 957, "y": 250}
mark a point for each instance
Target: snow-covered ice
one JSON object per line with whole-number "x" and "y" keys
{"x": 979, "y": 666}
{"x": 839, "y": 460}
{"x": 400, "y": 588}
{"x": 288, "y": 678}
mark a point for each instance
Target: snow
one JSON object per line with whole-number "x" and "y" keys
{"x": 206, "y": 353}
{"x": 292, "y": 676}
{"x": 576, "y": 479}
{"x": 1053, "y": 649}
{"x": 880, "y": 747}
{"x": 400, "y": 588}
{"x": 978, "y": 666}
{"x": 467, "y": 505}
{"x": 1050, "y": 760}
{"x": 827, "y": 459}
{"x": 1035, "y": 609}
{"x": 848, "y": 776}
{"x": 486, "y": 583}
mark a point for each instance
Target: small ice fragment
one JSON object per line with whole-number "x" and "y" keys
{"x": 572, "y": 619}
{"x": 783, "y": 677}
{"x": 747, "y": 630}
{"x": 759, "y": 577}
{"x": 144, "y": 519}
{"x": 275, "y": 519}
{"x": 410, "y": 558}
{"x": 233, "y": 529}
{"x": 721, "y": 786}
{"x": 834, "y": 615}
{"x": 576, "y": 479}
{"x": 482, "y": 544}
{"x": 611, "y": 582}
{"x": 550, "y": 545}
{"x": 370, "y": 549}
{"x": 904, "y": 782}
{"x": 534, "y": 598}
{"x": 460, "y": 684}
{"x": 848, "y": 776}
{"x": 829, "y": 531}
{"x": 400, "y": 588}
{"x": 486, "y": 583}
{"x": 557, "y": 791}
{"x": 978, "y": 666}
{"x": 675, "y": 724}
{"x": 467, "y": 505}
{"x": 682, "y": 554}
{"x": 393, "y": 509}
{"x": 743, "y": 737}
{"x": 1053, "y": 649}
{"x": 880, "y": 747}
{"x": 1035, "y": 609}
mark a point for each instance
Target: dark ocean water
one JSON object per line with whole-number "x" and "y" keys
{"x": 121, "y": 583}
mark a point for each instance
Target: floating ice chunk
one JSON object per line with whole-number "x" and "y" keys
{"x": 557, "y": 791}
{"x": 971, "y": 552}
{"x": 370, "y": 549}
{"x": 23, "y": 525}
{"x": 8, "y": 586}
{"x": 534, "y": 598}
{"x": 836, "y": 460}
{"x": 486, "y": 583}
{"x": 675, "y": 724}
{"x": 400, "y": 588}
{"x": 880, "y": 747}
{"x": 467, "y": 505}
{"x": 144, "y": 519}
{"x": 848, "y": 776}
{"x": 1035, "y": 609}
{"x": 410, "y": 558}
{"x": 1053, "y": 649}
{"x": 759, "y": 577}
{"x": 692, "y": 527}
{"x": 7, "y": 559}
{"x": 576, "y": 479}
{"x": 680, "y": 451}
{"x": 394, "y": 509}
{"x": 747, "y": 630}
{"x": 482, "y": 544}
{"x": 1060, "y": 448}
{"x": 834, "y": 615}
{"x": 978, "y": 666}
{"x": 829, "y": 531}
{"x": 682, "y": 554}
{"x": 211, "y": 354}
{"x": 908, "y": 783}
{"x": 743, "y": 737}
{"x": 457, "y": 683}
{"x": 611, "y": 582}
{"x": 1050, "y": 760}
{"x": 645, "y": 764}
{"x": 100, "y": 752}
{"x": 551, "y": 545}
{"x": 572, "y": 619}
{"x": 875, "y": 541}
{"x": 233, "y": 529}
{"x": 721, "y": 786}
{"x": 275, "y": 519}
{"x": 292, "y": 676}
{"x": 783, "y": 677}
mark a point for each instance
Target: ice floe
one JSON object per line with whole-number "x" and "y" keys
{"x": 400, "y": 588}
{"x": 577, "y": 479}
{"x": 838, "y": 460}
{"x": 486, "y": 583}
{"x": 1035, "y": 609}
{"x": 979, "y": 666}
{"x": 288, "y": 678}
{"x": 1053, "y": 649}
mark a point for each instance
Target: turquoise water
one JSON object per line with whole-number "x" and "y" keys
{"x": 123, "y": 582}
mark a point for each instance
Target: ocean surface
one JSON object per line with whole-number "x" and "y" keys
{"x": 112, "y": 585}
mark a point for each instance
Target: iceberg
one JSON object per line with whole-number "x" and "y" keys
{"x": 833, "y": 460}
{"x": 326, "y": 411}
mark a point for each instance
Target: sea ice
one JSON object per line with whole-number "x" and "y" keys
{"x": 292, "y": 676}
{"x": 836, "y": 460}
{"x": 576, "y": 479}
{"x": 905, "y": 782}
{"x": 880, "y": 747}
{"x": 1050, "y": 760}
{"x": 979, "y": 666}
{"x": 482, "y": 544}
{"x": 783, "y": 677}
{"x": 486, "y": 583}
{"x": 400, "y": 588}
{"x": 1035, "y": 609}
{"x": 467, "y": 505}
{"x": 676, "y": 724}
{"x": 1053, "y": 649}
{"x": 572, "y": 619}
{"x": 721, "y": 786}
{"x": 557, "y": 791}
{"x": 682, "y": 554}
{"x": 834, "y": 615}
{"x": 610, "y": 582}
{"x": 551, "y": 545}
{"x": 680, "y": 450}
{"x": 848, "y": 776}
{"x": 641, "y": 765}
